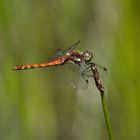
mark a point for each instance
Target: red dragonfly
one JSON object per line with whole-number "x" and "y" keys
{"x": 67, "y": 56}
{"x": 82, "y": 58}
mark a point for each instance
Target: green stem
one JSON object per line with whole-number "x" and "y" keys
{"x": 100, "y": 87}
{"x": 107, "y": 118}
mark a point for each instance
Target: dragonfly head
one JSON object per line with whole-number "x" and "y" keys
{"x": 87, "y": 56}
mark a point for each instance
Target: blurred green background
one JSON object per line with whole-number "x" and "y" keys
{"x": 39, "y": 104}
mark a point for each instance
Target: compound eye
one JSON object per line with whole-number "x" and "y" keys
{"x": 88, "y": 55}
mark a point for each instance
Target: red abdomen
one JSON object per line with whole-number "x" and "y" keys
{"x": 29, "y": 66}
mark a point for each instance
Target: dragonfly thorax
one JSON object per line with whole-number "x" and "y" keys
{"x": 87, "y": 56}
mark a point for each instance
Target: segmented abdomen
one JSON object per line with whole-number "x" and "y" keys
{"x": 29, "y": 66}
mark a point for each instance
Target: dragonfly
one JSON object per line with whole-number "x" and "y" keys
{"x": 84, "y": 59}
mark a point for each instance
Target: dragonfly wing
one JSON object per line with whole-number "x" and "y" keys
{"x": 58, "y": 54}
{"x": 81, "y": 84}
{"x": 86, "y": 69}
{"x": 72, "y": 47}
{"x": 73, "y": 76}
{"x": 102, "y": 71}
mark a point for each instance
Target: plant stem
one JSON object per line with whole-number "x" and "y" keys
{"x": 100, "y": 87}
{"x": 107, "y": 118}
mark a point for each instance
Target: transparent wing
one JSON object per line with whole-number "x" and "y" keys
{"x": 102, "y": 71}
{"x": 81, "y": 84}
{"x": 60, "y": 53}
{"x": 86, "y": 70}
{"x": 74, "y": 77}
{"x": 72, "y": 47}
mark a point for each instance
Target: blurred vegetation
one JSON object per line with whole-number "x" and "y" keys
{"x": 47, "y": 108}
